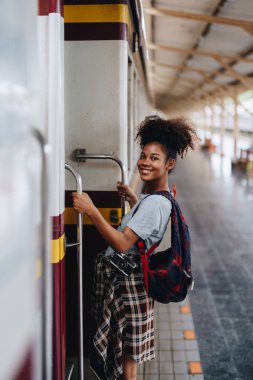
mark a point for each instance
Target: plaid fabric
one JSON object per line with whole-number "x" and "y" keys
{"x": 124, "y": 317}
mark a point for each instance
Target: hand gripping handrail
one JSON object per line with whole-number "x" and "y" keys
{"x": 83, "y": 156}
{"x": 79, "y": 245}
{"x": 46, "y": 350}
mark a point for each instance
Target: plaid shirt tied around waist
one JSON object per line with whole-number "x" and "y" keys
{"x": 124, "y": 322}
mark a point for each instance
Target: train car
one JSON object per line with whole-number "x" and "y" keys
{"x": 25, "y": 289}
{"x": 73, "y": 88}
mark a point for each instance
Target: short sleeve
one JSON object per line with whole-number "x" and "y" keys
{"x": 151, "y": 218}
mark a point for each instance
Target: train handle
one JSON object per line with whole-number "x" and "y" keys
{"x": 79, "y": 245}
{"x": 81, "y": 156}
{"x": 46, "y": 259}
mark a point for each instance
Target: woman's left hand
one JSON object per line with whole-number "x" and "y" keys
{"x": 127, "y": 193}
{"x": 82, "y": 203}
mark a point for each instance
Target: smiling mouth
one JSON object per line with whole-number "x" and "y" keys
{"x": 145, "y": 171}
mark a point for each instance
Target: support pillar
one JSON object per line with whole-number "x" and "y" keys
{"x": 207, "y": 119}
{"x": 205, "y": 122}
{"x": 236, "y": 132}
{"x": 222, "y": 127}
{"x": 212, "y": 123}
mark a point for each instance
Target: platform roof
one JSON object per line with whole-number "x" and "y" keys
{"x": 198, "y": 50}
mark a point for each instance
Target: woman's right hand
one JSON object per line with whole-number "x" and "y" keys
{"x": 82, "y": 203}
{"x": 127, "y": 193}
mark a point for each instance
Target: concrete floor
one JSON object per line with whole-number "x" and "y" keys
{"x": 219, "y": 210}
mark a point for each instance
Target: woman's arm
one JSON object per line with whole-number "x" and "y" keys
{"x": 126, "y": 192}
{"x": 120, "y": 241}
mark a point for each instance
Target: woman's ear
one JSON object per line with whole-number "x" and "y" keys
{"x": 171, "y": 162}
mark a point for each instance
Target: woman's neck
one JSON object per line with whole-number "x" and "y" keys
{"x": 150, "y": 188}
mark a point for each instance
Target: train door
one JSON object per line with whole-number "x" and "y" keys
{"x": 96, "y": 67}
{"x": 25, "y": 348}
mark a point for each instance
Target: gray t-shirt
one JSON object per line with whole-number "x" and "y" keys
{"x": 149, "y": 222}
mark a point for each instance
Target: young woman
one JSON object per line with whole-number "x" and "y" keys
{"x": 123, "y": 311}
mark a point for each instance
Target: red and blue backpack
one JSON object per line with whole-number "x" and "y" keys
{"x": 167, "y": 274}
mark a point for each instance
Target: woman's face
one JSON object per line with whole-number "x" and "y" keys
{"x": 153, "y": 163}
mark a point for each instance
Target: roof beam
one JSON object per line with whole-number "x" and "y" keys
{"x": 200, "y": 53}
{"x": 199, "y": 91}
{"x": 205, "y": 31}
{"x": 217, "y": 57}
{"x": 242, "y": 78}
{"x": 200, "y": 71}
{"x": 171, "y": 66}
{"x": 178, "y": 77}
{"x": 246, "y": 25}
{"x": 218, "y": 86}
{"x": 223, "y": 90}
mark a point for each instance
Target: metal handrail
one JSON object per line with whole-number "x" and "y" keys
{"x": 79, "y": 245}
{"x": 84, "y": 156}
{"x": 45, "y": 256}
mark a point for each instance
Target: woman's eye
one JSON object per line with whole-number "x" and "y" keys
{"x": 154, "y": 158}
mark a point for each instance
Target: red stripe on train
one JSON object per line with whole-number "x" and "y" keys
{"x": 58, "y": 226}
{"x": 50, "y": 6}
{"x": 25, "y": 371}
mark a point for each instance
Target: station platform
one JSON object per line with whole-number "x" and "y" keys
{"x": 177, "y": 352}
{"x": 218, "y": 206}
{"x": 210, "y": 335}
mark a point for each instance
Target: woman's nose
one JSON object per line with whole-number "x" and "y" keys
{"x": 145, "y": 161}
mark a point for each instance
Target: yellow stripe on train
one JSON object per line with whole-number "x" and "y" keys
{"x": 96, "y": 13}
{"x": 57, "y": 250}
{"x": 70, "y": 216}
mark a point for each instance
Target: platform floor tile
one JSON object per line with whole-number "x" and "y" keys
{"x": 177, "y": 353}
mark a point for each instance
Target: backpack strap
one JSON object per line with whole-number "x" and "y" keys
{"x": 166, "y": 194}
{"x": 144, "y": 258}
{"x": 141, "y": 243}
{"x": 144, "y": 254}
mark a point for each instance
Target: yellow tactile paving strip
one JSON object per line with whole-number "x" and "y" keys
{"x": 185, "y": 309}
{"x": 189, "y": 334}
{"x": 195, "y": 367}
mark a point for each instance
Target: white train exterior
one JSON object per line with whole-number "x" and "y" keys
{"x": 84, "y": 88}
